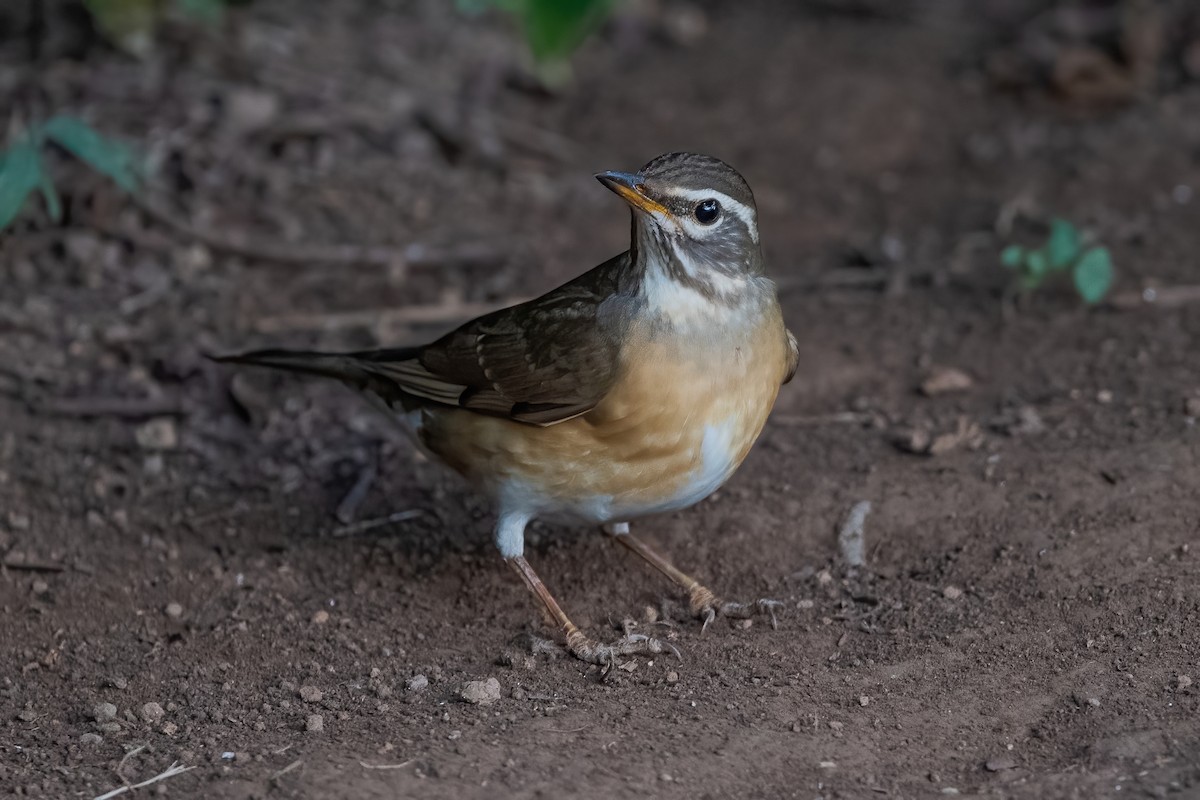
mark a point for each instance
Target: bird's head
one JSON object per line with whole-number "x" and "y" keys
{"x": 694, "y": 221}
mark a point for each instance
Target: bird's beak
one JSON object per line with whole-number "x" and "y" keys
{"x": 630, "y": 187}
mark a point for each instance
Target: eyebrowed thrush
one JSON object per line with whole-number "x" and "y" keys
{"x": 634, "y": 389}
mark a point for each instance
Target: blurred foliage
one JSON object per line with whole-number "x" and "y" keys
{"x": 553, "y": 29}
{"x": 23, "y": 170}
{"x": 131, "y": 24}
{"x": 1063, "y": 253}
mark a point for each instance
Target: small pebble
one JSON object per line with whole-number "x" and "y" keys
{"x": 91, "y": 739}
{"x": 999, "y": 764}
{"x": 315, "y": 723}
{"x": 665, "y": 778}
{"x": 480, "y": 692}
{"x": 321, "y": 617}
{"x": 152, "y": 713}
{"x": 952, "y": 593}
{"x": 864, "y": 701}
{"x": 174, "y": 610}
{"x": 169, "y": 728}
{"x": 104, "y": 712}
{"x": 1183, "y": 682}
{"x": 945, "y": 380}
{"x": 672, "y": 676}
{"x": 157, "y": 434}
{"x": 111, "y": 727}
{"x": 417, "y": 683}
{"x": 311, "y": 694}
{"x": 40, "y": 586}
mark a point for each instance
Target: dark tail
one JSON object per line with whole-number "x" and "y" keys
{"x": 354, "y": 368}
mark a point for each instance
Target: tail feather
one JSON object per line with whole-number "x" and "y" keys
{"x": 342, "y": 366}
{"x": 359, "y": 368}
{"x": 371, "y": 371}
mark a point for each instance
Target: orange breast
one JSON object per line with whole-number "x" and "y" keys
{"x": 678, "y": 421}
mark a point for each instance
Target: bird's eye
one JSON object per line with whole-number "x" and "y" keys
{"x": 707, "y": 211}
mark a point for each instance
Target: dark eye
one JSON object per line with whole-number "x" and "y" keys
{"x": 707, "y": 211}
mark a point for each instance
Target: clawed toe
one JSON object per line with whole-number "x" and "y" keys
{"x": 747, "y": 610}
{"x": 705, "y": 606}
{"x": 605, "y": 655}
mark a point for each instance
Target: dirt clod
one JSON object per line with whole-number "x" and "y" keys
{"x": 321, "y": 617}
{"x": 151, "y": 713}
{"x": 417, "y": 683}
{"x": 311, "y": 694}
{"x": 483, "y": 692}
{"x": 104, "y": 712}
{"x": 173, "y": 610}
{"x": 91, "y": 739}
{"x": 314, "y": 723}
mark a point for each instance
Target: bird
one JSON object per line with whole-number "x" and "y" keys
{"x": 637, "y": 388}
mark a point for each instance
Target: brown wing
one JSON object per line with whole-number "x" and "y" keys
{"x": 541, "y": 362}
{"x": 793, "y": 357}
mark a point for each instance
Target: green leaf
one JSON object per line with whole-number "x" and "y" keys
{"x": 129, "y": 24}
{"x": 21, "y": 173}
{"x": 206, "y": 12}
{"x": 1063, "y": 246}
{"x": 50, "y": 196}
{"x": 107, "y": 156}
{"x": 554, "y": 28}
{"x": 1037, "y": 264}
{"x": 1093, "y": 275}
{"x": 1012, "y": 256}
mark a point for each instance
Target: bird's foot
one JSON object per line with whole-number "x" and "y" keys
{"x": 707, "y": 606}
{"x": 587, "y": 649}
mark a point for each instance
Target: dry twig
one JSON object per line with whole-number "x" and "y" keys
{"x": 276, "y": 776}
{"x": 372, "y": 524}
{"x": 1157, "y": 297}
{"x": 401, "y": 765}
{"x": 170, "y": 772}
{"x": 242, "y": 244}
{"x": 122, "y": 407}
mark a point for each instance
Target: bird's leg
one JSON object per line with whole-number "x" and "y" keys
{"x": 704, "y": 604}
{"x": 582, "y": 646}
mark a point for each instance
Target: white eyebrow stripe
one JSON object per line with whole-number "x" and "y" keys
{"x": 740, "y": 210}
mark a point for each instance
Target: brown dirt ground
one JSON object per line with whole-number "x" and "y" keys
{"x": 1027, "y": 622}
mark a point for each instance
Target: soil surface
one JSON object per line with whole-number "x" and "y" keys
{"x": 221, "y": 557}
